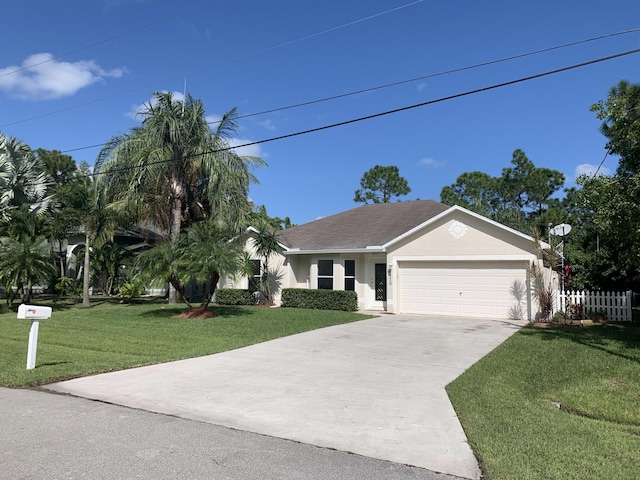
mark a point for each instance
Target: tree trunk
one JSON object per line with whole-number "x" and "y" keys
{"x": 175, "y": 234}
{"x": 26, "y": 297}
{"x": 206, "y": 297}
{"x": 63, "y": 260}
{"x": 85, "y": 274}
{"x": 178, "y": 288}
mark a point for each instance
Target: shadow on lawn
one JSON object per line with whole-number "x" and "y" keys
{"x": 607, "y": 337}
{"x": 167, "y": 311}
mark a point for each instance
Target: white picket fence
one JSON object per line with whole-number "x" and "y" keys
{"x": 616, "y": 306}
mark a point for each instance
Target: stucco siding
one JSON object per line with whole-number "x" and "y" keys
{"x": 460, "y": 235}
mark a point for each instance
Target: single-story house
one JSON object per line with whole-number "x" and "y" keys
{"x": 419, "y": 257}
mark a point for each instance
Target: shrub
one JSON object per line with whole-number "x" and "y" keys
{"x": 132, "y": 289}
{"x": 320, "y": 299}
{"x": 66, "y": 287}
{"x": 234, "y": 296}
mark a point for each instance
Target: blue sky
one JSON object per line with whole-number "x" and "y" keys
{"x": 98, "y": 61}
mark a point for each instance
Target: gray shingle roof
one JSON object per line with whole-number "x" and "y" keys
{"x": 369, "y": 225}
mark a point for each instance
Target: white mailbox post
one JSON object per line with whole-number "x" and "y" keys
{"x": 35, "y": 313}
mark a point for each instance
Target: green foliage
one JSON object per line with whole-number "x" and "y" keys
{"x": 259, "y": 216}
{"x": 107, "y": 263}
{"x": 517, "y": 198}
{"x": 204, "y": 179}
{"x": 475, "y": 191}
{"x": 320, "y": 299}
{"x": 65, "y": 287}
{"x": 204, "y": 252}
{"x": 604, "y": 252}
{"x": 234, "y": 296}
{"x": 620, "y": 114}
{"x": 60, "y": 167}
{"x": 265, "y": 244}
{"x": 555, "y": 403}
{"x": 23, "y": 179}
{"x": 177, "y": 170}
{"x": 131, "y": 289}
{"x": 381, "y": 184}
{"x": 23, "y": 264}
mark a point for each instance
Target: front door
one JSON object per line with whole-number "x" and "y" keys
{"x": 377, "y": 285}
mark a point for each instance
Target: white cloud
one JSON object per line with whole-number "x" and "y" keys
{"x": 422, "y": 86}
{"x": 431, "y": 162}
{"x": 268, "y": 124}
{"x": 41, "y": 77}
{"x": 251, "y": 150}
{"x": 588, "y": 169}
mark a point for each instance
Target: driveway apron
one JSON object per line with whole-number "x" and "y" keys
{"x": 373, "y": 387}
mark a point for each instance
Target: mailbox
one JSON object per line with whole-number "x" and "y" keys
{"x": 35, "y": 313}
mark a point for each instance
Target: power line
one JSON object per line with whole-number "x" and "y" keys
{"x": 258, "y": 52}
{"x": 389, "y": 112}
{"x": 606, "y": 154}
{"x": 106, "y": 40}
{"x": 446, "y": 72}
{"x": 415, "y": 79}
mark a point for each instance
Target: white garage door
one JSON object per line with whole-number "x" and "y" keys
{"x": 467, "y": 289}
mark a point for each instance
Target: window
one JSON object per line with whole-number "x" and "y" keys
{"x": 325, "y": 274}
{"x": 350, "y": 275}
{"x": 256, "y": 276}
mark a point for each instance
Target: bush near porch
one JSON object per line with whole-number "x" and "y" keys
{"x": 234, "y": 296}
{"x": 320, "y": 299}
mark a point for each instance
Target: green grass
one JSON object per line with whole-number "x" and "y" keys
{"x": 508, "y": 404}
{"x": 75, "y": 342}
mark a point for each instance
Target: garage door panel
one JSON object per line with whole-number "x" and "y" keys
{"x": 479, "y": 289}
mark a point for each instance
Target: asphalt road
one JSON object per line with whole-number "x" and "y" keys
{"x": 50, "y": 436}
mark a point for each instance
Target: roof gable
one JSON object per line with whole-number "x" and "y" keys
{"x": 450, "y": 212}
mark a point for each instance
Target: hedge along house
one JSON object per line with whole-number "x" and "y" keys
{"x": 419, "y": 257}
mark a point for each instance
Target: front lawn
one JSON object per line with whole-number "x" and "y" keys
{"x": 75, "y": 342}
{"x": 555, "y": 404}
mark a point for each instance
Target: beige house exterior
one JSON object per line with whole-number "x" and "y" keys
{"x": 419, "y": 257}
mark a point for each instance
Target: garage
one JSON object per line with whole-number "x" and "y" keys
{"x": 482, "y": 289}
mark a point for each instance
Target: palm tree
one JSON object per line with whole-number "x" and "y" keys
{"x": 100, "y": 224}
{"x": 204, "y": 253}
{"x": 24, "y": 254}
{"x": 174, "y": 168}
{"x": 23, "y": 179}
{"x": 265, "y": 243}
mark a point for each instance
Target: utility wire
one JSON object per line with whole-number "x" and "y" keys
{"x": 264, "y": 50}
{"x": 606, "y": 154}
{"x": 388, "y": 112}
{"x": 106, "y": 40}
{"x": 402, "y": 82}
{"x": 446, "y": 72}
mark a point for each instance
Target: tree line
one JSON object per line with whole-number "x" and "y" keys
{"x": 173, "y": 175}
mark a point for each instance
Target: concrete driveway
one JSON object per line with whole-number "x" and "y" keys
{"x": 374, "y": 388}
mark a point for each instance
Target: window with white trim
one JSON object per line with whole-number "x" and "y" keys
{"x": 325, "y": 274}
{"x": 350, "y": 275}
{"x": 256, "y": 275}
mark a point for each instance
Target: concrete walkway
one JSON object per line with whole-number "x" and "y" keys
{"x": 374, "y": 388}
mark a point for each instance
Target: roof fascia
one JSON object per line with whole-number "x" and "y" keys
{"x": 333, "y": 251}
